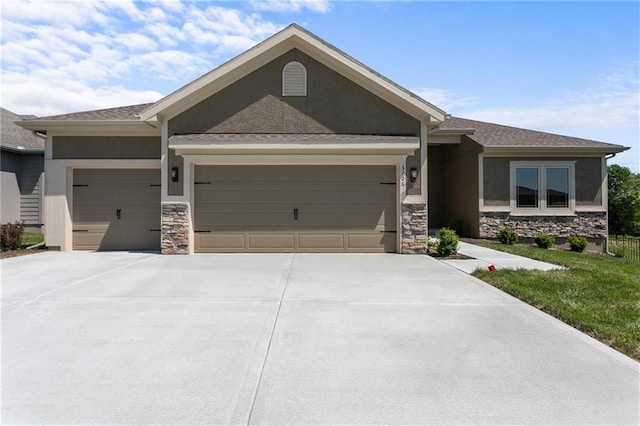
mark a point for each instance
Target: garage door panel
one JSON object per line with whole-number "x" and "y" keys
{"x": 268, "y": 220}
{"x": 271, "y": 241}
{"x": 220, "y": 196}
{"x": 321, "y": 241}
{"x": 382, "y": 242}
{"x": 340, "y": 208}
{"x": 270, "y": 195}
{"x": 137, "y": 198}
{"x": 223, "y": 220}
{"x": 98, "y": 195}
{"x": 222, "y": 242}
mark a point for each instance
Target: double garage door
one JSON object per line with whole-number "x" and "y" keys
{"x": 295, "y": 209}
{"x": 116, "y": 209}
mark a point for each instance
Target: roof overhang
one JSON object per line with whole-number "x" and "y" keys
{"x": 92, "y": 127}
{"x": 506, "y": 151}
{"x": 292, "y": 144}
{"x": 452, "y": 132}
{"x": 287, "y": 39}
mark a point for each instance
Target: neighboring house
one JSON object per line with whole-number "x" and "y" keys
{"x": 22, "y": 167}
{"x": 293, "y": 146}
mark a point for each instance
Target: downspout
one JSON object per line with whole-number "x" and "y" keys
{"x": 40, "y": 244}
{"x": 606, "y": 240}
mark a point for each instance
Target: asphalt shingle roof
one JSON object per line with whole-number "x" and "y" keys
{"x": 129, "y": 112}
{"x": 497, "y": 136}
{"x": 14, "y": 136}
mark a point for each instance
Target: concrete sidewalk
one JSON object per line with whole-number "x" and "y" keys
{"x": 484, "y": 257}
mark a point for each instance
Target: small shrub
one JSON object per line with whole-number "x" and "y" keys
{"x": 544, "y": 241}
{"x": 507, "y": 236}
{"x": 447, "y": 242}
{"x": 11, "y": 236}
{"x": 577, "y": 243}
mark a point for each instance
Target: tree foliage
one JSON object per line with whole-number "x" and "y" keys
{"x": 624, "y": 201}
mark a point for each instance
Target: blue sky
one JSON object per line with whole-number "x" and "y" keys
{"x": 564, "y": 67}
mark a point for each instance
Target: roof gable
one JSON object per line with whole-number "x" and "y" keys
{"x": 291, "y": 37}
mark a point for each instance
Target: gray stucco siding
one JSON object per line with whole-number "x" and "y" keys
{"x": 588, "y": 179}
{"x": 106, "y": 147}
{"x": 254, "y": 104}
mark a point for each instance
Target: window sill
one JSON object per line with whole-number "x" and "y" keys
{"x": 539, "y": 212}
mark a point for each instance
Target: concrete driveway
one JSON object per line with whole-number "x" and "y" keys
{"x": 139, "y": 338}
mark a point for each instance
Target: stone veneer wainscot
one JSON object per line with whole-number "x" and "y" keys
{"x": 414, "y": 228}
{"x": 588, "y": 224}
{"x": 175, "y": 228}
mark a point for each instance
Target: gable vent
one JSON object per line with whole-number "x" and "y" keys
{"x": 294, "y": 79}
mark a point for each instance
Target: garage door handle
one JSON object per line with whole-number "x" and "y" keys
{"x": 118, "y": 213}
{"x": 295, "y": 214}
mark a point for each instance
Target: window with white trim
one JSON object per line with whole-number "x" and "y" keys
{"x": 294, "y": 79}
{"x": 538, "y": 187}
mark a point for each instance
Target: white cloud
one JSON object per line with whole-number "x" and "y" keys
{"x": 54, "y": 12}
{"x": 444, "y": 99}
{"x": 613, "y": 99}
{"x": 135, "y": 42}
{"x": 42, "y": 96}
{"x": 50, "y": 46}
{"x": 318, "y": 6}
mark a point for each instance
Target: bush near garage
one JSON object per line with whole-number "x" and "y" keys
{"x": 507, "y": 236}
{"x": 11, "y": 236}
{"x": 577, "y": 243}
{"x": 544, "y": 241}
{"x": 447, "y": 242}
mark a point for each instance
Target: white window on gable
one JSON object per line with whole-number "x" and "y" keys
{"x": 294, "y": 79}
{"x": 543, "y": 187}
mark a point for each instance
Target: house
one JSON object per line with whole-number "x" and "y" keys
{"x": 21, "y": 168}
{"x": 294, "y": 146}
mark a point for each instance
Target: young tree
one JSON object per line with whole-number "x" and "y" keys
{"x": 624, "y": 201}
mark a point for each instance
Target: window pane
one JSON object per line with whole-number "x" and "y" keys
{"x": 558, "y": 187}
{"x": 527, "y": 187}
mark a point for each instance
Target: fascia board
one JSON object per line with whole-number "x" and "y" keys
{"x": 92, "y": 127}
{"x": 455, "y": 132}
{"x": 263, "y": 53}
{"x": 202, "y": 148}
{"x": 519, "y": 151}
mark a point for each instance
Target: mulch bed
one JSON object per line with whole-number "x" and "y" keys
{"x": 458, "y": 256}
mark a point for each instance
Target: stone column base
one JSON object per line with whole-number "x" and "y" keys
{"x": 414, "y": 228}
{"x": 175, "y": 228}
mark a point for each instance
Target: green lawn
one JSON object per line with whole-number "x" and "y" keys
{"x": 599, "y": 295}
{"x": 31, "y": 238}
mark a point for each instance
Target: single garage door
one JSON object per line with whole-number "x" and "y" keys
{"x": 295, "y": 209}
{"x": 116, "y": 209}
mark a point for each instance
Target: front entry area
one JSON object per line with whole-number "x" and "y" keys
{"x": 116, "y": 209}
{"x": 295, "y": 208}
